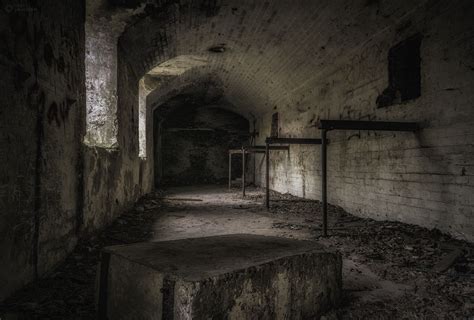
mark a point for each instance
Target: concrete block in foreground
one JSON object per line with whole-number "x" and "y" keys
{"x": 222, "y": 277}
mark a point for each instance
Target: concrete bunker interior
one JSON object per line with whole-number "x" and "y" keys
{"x": 348, "y": 125}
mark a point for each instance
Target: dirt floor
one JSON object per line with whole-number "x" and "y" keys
{"x": 391, "y": 270}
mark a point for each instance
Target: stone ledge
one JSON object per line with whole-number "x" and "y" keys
{"x": 232, "y": 276}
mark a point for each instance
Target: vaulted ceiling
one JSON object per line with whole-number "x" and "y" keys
{"x": 266, "y": 54}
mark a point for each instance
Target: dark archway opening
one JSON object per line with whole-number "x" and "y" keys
{"x": 192, "y": 136}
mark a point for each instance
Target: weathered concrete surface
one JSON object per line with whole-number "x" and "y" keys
{"x": 103, "y": 25}
{"x": 115, "y": 177}
{"x": 424, "y": 178}
{"x": 101, "y": 84}
{"x": 233, "y": 276}
{"x": 45, "y": 184}
{"x": 42, "y": 114}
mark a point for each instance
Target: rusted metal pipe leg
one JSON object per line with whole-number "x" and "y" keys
{"x": 267, "y": 176}
{"x": 230, "y": 170}
{"x": 243, "y": 171}
{"x": 324, "y": 182}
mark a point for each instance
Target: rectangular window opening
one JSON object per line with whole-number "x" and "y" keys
{"x": 275, "y": 126}
{"x": 404, "y": 73}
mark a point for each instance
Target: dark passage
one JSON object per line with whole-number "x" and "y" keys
{"x": 194, "y": 138}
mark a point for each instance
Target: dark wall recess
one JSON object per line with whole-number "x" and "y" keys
{"x": 192, "y": 144}
{"x": 275, "y": 126}
{"x": 403, "y": 73}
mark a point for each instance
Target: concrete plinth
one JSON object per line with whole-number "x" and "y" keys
{"x": 222, "y": 277}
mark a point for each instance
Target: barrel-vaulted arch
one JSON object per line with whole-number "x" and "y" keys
{"x": 194, "y": 95}
{"x": 173, "y": 76}
{"x": 162, "y": 84}
{"x": 159, "y": 79}
{"x": 231, "y": 36}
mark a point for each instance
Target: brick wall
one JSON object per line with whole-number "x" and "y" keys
{"x": 424, "y": 178}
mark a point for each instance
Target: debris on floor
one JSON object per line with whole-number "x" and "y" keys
{"x": 180, "y": 199}
{"x": 437, "y": 269}
{"x": 391, "y": 270}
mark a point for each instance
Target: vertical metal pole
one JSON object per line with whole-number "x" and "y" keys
{"x": 230, "y": 169}
{"x": 253, "y": 156}
{"x": 267, "y": 176}
{"x": 243, "y": 171}
{"x": 254, "y": 160}
{"x": 324, "y": 182}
